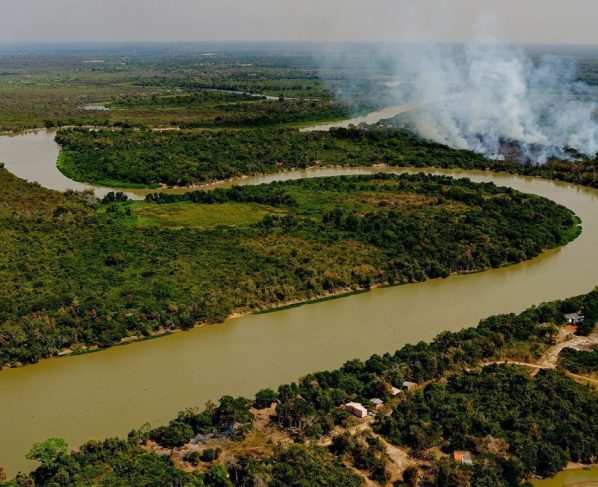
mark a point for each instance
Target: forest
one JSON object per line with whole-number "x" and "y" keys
{"x": 82, "y": 274}
{"x": 188, "y": 157}
{"x": 517, "y": 425}
{"x": 579, "y": 361}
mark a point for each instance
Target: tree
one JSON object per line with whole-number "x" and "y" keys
{"x": 232, "y": 410}
{"x": 49, "y": 452}
{"x": 264, "y": 399}
{"x": 174, "y": 435}
{"x": 217, "y": 476}
{"x": 115, "y": 258}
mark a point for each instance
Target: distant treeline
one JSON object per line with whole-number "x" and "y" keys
{"x": 262, "y": 194}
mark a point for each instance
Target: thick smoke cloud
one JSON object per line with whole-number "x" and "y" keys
{"x": 487, "y": 96}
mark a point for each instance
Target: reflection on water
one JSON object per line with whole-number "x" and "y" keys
{"x": 107, "y": 393}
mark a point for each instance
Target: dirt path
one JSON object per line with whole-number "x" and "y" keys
{"x": 399, "y": 457}
{"x": 550, "y": 359}
{"x": 567, "y": 340}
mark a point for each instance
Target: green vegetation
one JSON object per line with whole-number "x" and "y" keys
{"x": 516, "y": 425}
{"x": 78, "y": 275}
{"x": 207, "y": 109}
{"x": 194, "y": 157}
{"x": 579, "y": 361}
{"x": 505, "y": 416}
{"x": 172, "y": 86}
{"x": 191, "y": 157}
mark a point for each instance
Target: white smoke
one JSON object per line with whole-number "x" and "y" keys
{"x": 486, "y": 94}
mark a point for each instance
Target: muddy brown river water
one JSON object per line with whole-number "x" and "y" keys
{"x": 108, "y": 393}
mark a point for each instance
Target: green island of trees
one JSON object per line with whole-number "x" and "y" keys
{"x": 78, "y": 274}
{"x": 515, "y": 424}
{"x": 183, "y": 158}
{"x": 188, "y": 157}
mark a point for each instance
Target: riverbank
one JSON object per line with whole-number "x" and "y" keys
{"x": 80, "y": 395}
{"x": 492, "y": 389}
{"x": 316, "y": 238}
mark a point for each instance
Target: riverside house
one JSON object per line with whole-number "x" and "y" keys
{"x": 574, "y": 318}
{"x": 356, "y": 409}
{"x": 377, "y": 403}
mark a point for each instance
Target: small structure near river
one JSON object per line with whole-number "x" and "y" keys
{"x": 574, "y": 318}
{"x": 356, "y": 409}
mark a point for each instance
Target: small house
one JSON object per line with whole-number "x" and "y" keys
{"x": 395, "y": 391}
{"x": 574, "y": 318}
{"x": 409, "y": 385}
{"x": 356, "y": 409}
{"x": 464, "y": 457}
{"x": 377, "y": 403}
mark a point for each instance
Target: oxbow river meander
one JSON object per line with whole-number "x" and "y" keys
{"x": 108, "y": 393}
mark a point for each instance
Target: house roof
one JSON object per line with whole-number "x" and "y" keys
{"x": 355, "y": 405}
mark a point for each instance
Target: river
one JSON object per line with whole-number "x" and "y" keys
{"x": 108, "y": 393}
{"x": 370, "y": 118}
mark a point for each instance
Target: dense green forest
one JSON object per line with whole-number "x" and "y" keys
{"x": 189, "y": 157}
{"x": 504, "y": 414}
{"x": 579, "y": 361}
{"x": 79, "y": 274}
{"x": 516, "y": 425}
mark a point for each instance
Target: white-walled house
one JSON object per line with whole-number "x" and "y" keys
{"x": 356, "y": 409}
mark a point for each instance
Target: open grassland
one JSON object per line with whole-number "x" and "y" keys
{"x": 188, "y": 215}
{"x": 162, "y": 87}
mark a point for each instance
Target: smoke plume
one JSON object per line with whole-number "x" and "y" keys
{"x": 485, "y": 96}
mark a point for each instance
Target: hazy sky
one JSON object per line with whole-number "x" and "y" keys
{"x": 571, "y": 21}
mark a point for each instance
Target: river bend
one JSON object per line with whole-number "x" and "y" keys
{"x": 108, "y": 393}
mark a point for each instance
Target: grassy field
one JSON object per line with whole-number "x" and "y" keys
{"x": 189, "y": 215}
